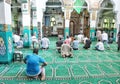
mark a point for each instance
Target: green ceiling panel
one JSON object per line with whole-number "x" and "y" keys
{"x": 78, "y": 5}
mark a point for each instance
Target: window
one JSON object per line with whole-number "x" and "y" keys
{"x": 53, "y": 22}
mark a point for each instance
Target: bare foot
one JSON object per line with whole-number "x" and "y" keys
{"x": 43, "y": 77}
{"x": 63, "y": 56}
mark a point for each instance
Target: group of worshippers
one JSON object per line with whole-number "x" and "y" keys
{"x": 43, "y": 43}
{"x": 65, "y": 47}
{"x": 102, "y": 38}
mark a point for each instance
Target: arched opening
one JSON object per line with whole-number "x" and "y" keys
{"x": 16, "y": 17}
{"x": 106, "y": 18}
{"x": 80, "y": 17}
{"x": 53, "y": 18}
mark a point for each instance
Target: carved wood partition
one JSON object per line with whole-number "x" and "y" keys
{"x": 80, "y": 22}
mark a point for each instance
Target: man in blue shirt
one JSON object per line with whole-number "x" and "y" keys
{"x": 33, "y": 68}
{"x": 75, "y": 44}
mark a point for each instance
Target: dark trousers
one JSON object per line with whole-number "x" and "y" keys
{"x": 118, "y": 48}
{"x": 75, "y": 48}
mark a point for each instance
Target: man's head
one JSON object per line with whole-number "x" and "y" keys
{"x": 103, "y": 31}
{"x": 67, "y": 36}
{"x": 99, "y": 40}
{"x": 35, "y": 50}
{"x": 60, "y": 38}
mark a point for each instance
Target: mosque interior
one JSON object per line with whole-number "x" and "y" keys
{"x": 86, "y": 66}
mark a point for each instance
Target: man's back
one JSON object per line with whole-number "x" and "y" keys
{"x": 45, "y": 42}
{"x": 33, "y": 67}
{"x": 16, "y": 38}
{"x": 100, "y": 46}
{"x": 80, "y": 37}
{"x": 66, "y": 49}
{"x": 59, "y": 43}
{"x": 88, "y": 42}
{"x": 75, "y": 44}
{"x": 104, "y": 36}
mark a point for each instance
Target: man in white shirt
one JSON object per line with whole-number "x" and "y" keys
{"x": 99, "y": 46}
{"x": 45, "y": 43}
{"x": 18, "y": 41}
{"x": 80, "y": 37}
{"x": 34, "y": 40}
{"x": 16, "y": 38}
{"x": 98, "y": 35}
{"x": 105, "y": 38}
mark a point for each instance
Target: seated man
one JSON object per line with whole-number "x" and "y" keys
{"x": 16, "y": 39}
{"x": 67, "y": 40}
{"x": 66, "y": 50}
{"x": 75, "y": 44}
{"x": 45, "y": 43}
{"x": 87, "y": 44}
{"x": 80, "y": 37}
{"x": 58, "y": 44}
{"x": 84, "y": 40}
{"x": 34, "y": 41}
{"x": 19, "y": 44}
{"x": 99, "y": 46}
{"x": 33, "y": 68}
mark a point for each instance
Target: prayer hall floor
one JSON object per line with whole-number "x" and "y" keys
{"x": 86, "y": 67}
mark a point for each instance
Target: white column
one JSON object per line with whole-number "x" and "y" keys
{"x": 34, "y": 18}
{"x": 26, "y": 22}
{"x": 93, "y": 19}
{"x": 117, "y": 24}
{"x": 67, "y": 22}
{"x": 40, "y": 6}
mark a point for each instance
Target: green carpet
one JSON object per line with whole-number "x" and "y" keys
{"x": 86, "y": 67}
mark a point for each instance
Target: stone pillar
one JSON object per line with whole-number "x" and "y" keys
{"x": 6, "y": 41}
{"x": 34, "y": 19}
{"x": 40, "y": 5}
{"x": 117, "y": 29}
{"x": 68, "y": 6}
{"x": 93, "y": 18}
{"x": 67, "y": 21}
{"x": 26, "y": 23}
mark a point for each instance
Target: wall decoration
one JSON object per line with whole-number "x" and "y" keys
{"x": 2, "y": 47}
{"x": 34, "y": 14}
{"x": 10, "y": 44}
{"x": 35, "y": 33}
{"x": 8, "y": 1}
{"x": 94, "y": 15}
{"x": 25, "y": 8}
{"x": 67, "y": 15}
{"x": 26, "y": 37}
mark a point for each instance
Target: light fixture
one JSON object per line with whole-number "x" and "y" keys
{"x": 53, "y": 19}
{"x": 105, "y": 20}
{"x": 113, "y": 21}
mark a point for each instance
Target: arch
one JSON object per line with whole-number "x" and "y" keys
{"x": 80, "y": 20}
{"x": 112, "y": 1}
{"x": 87, "y": 4}
{"x": 109, "y": 14}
